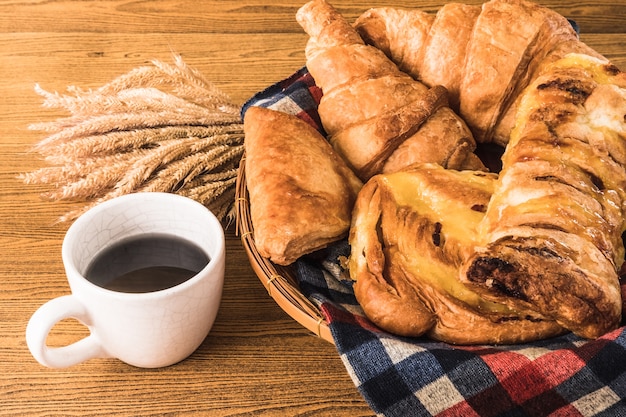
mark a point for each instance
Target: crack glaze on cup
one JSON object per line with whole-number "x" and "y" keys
{"x": 145, "y": 329}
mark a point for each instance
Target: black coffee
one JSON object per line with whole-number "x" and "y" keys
{"x": 146, "y": 264}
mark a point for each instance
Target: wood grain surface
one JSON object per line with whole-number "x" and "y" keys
{"x": 256, "y": 361}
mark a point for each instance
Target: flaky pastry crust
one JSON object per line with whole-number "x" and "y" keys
{"x": 301, "y": 192}
{"x": 551, "y": 239}
{"x": 410, "y": 233}
{"x": 369, "y": 107}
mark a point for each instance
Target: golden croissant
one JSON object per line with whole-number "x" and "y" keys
{"x": 484, "y": 55}
{"x": 376, "y": 116}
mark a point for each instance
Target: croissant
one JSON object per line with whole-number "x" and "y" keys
{"x": 484, "y": 55}
{"x": 551, "y": 238}
{"x": 377, "y": 117}
{"x": 411, "y": 231}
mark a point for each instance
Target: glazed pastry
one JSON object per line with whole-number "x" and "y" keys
{"x": 301, "y": 192}
{"x": 551, "y": 239}
{"x": 370, "y": 108}
{"x": 484, "y": 55}
{"x": 411, "y": 231}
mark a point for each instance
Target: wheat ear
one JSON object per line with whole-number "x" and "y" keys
{"x": 157, "y": 128}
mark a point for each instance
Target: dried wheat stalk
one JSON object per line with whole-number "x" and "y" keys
{"x": 157, "y": 128}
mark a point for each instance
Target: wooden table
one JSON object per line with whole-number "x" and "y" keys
{"x": 257, "y": 360}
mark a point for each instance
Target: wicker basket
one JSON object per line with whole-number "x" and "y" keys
{"x": 279, "y": 281}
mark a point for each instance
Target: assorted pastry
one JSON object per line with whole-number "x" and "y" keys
{"x": 440, "y": 246}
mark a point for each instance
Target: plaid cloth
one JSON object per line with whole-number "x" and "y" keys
{"x": 562, "y": 376}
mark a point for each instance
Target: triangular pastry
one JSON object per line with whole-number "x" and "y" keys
{"x": 301, "y": 192}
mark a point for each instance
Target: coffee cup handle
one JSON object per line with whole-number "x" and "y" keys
{"x": 44, "y": 319}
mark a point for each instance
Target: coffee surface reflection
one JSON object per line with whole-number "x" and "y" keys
{"x": 146, "y": 264}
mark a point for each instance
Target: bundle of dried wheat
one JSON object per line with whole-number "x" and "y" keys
{"x": 157, "y": 128}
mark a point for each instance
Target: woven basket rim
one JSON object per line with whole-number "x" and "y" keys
{"x": 279, "y": 281}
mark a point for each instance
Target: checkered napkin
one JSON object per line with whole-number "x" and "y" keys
{"x": 563, "y": 376}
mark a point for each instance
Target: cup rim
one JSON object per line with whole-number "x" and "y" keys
{"x": 214, "y": 262}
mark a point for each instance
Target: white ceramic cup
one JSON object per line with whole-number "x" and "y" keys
{"x": 150, "y": 329}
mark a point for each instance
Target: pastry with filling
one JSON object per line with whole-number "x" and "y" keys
{"x": 411, "y": 231}
{"x": 301, "y": 192}
{"x": 551, "y": 239}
